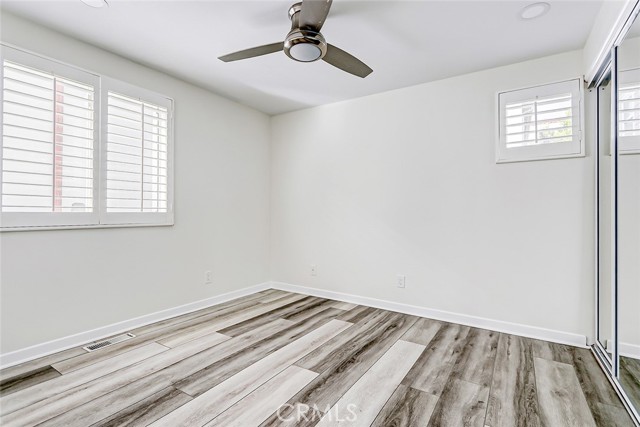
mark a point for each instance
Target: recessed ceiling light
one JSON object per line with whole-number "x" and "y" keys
{"x": 95, "y": 3}
{"x": 534, "y": 10}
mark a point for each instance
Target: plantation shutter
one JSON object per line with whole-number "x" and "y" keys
{"x": 540, "y": 122}
{"x": 629, "y": 111}
{"x": 137, "y": 156}
{"x": 48, "y": 143}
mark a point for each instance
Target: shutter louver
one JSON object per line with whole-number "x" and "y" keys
{"x": 137, "y": 156}
{"x": 47, "y": 142}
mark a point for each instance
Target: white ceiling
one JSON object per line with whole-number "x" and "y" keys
{"x": 405, "y": 42}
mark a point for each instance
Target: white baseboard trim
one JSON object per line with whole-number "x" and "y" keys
{"x": 82, "y": 338}
{"x": 626, "y": 349}
{"x": 463, "y": 319}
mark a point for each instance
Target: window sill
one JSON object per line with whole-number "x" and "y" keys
{"x": 81, "y": 227}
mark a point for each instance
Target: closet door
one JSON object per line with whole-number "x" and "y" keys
{"x": 627, "y": 116}
{"x": 605, "y": 196}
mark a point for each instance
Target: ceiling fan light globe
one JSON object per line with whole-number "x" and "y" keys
{"x": 305, "y": 52}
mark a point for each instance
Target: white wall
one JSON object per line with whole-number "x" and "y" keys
{"x": 405, "y": 182}
{"x": 57, "y": 283}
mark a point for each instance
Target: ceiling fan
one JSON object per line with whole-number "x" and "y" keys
{"x": 305, "y": 43}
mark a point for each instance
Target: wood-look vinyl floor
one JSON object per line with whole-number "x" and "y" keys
{"x": 281, "y": 359}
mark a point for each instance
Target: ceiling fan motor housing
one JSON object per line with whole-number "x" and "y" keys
{"x": 301, "y": 44}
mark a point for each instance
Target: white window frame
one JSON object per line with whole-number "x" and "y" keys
{"x": 26, "y": 221}
{"x": 574, "y": 148}
{"x": 157, "y": 218}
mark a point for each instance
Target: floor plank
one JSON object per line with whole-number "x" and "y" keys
{"x": 630, "y": 379}
{"x": 423, "y": 331}
{"x": 31, "y": 395}
{"x": 342, "y": 369}
{"x": 560, "y": 396}
{"x": 407, "y": 407}
{"x": 266, "y": 399}
{"x": 513, "y": 399}
{"x": 363, "y": 401}
{"x": 210, "y": 404}
{"x": 87, "y": 392}
{"x": 611, "y": 416}
{"x": 147, "y": 410}
{"x": 10, "y": 373}
{"x": 220, "y": 369}
{"x": 344, "y": 305}
{"x": 295, "y": 307}
{"x": 171, "y": 373}
{"x": 461, "y": 404}
{"x": 432, "y": 370}
{"x": 27, "y": 380}
{"x": 476, "y": 361}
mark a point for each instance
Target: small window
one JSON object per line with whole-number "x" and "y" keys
{"x": 58, "y": 170}
{"x": 629, "y": 111}
{"x": 541, "y": 122}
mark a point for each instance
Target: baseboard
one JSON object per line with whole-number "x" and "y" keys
{"x": 60, "y": 344}
{"x": 626, "y": 349}
{"x": 463, "y": 319}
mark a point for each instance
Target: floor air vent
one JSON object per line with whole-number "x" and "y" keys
{"x": 109, "y": 341}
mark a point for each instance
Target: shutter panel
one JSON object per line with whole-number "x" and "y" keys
{"x": 137, "y": 156}
{"x": 540, "y": 122}
{"x": 543, "y": 120}
{"x": 47, "y": 142}
{"x": 629, "y": 109}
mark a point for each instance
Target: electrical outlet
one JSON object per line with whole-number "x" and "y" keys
{"x": 401, "y": 281}
{"x": 208, "y": 277}
{"x": 314, "y": 270}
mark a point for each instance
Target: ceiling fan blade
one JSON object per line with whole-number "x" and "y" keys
{"x": 314, "y": 13}
{"x": 346, "y": 62}
{"x": 253, "y": 52}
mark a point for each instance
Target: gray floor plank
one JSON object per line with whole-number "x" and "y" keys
{"x": 220, "y": 369}
{"x": 216, "y": 400}
{"x": 27, "y": 380}
{"x": 10, "y": 373}
{"x": 611, "y": 416}
{"x": 630, "y": 379}
{"x": 283, "y": 311}
{"x": 147, "y": 410}
{"x": 461, "y": 404}
{"x": 562, "y": 402}
{"x": 266, "y": 399}
{"x": 432, "y": 370}
{"x": 513, "y": 400}
{"x": 170, "y": 373}
{"x": 343, "y": 369}
{"x": 423, "y": 331}
{"x": 41, "y": 391}
{"x": 360, "y": 405}
{"x": 87, "y": 392}
{"x": 407, "y": 407}
{"x": 477, "y": 358}
{"x": 551, "y": 351}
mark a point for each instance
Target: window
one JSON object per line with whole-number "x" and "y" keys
{"x": 57, "y": 169}
{"x": 629, "y": 111}
{"x": 542, "y": 122}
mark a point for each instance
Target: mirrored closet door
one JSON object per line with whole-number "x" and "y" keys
{"x": 628, "y": 213}
{"x": 617, "y": 161}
